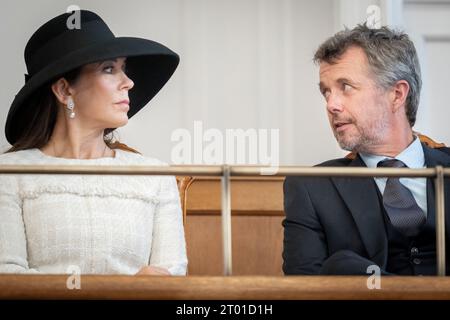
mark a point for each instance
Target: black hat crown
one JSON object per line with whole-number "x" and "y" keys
{"x": 56, "y": 38}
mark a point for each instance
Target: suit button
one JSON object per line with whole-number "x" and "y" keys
{"x": 414, "y": 250}
{"x": 417, "y": 261}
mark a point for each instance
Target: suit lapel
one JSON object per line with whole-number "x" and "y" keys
{"x": 360, "y": 196}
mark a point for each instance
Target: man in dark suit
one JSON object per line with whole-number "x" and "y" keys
{"x": 370, "y": 79}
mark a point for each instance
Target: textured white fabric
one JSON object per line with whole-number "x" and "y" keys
{"x": 97, "y": 224}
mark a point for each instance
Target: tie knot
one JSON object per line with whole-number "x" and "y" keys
{"x": 391, "y": 163}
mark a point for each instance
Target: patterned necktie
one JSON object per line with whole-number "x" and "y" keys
{"x": 401, "y": 207}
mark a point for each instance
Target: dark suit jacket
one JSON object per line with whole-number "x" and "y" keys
{"x": 327, "y": 215}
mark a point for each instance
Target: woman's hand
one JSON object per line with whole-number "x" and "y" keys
{"x": 153, "y": 271}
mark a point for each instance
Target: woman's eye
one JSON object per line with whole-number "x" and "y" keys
{"x": 108, "y": 69}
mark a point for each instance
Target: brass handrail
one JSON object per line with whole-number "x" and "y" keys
{"x": 198, "y": 170}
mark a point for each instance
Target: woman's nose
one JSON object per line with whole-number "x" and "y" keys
{"x": 127, "y": 82}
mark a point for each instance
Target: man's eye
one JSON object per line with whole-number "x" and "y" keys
{"x": 346, "y": 87}
{"x": 326, "y": 93}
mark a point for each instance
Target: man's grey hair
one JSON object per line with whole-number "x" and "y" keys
{"x": 391, "y": 55}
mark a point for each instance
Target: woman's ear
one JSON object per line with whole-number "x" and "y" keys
{"x": 61, "y": 90}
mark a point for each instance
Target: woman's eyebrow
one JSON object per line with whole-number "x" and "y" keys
{"x": 104, "y": 61}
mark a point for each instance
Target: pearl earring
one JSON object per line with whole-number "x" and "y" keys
{"x": 70, "y": 106}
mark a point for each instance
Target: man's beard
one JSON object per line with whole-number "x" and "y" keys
{"x": 364, "y": 138}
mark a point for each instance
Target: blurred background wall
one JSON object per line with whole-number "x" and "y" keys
{"x": 244, "y": 64}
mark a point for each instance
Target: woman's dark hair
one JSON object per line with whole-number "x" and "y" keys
{"x": 40, "y": 124}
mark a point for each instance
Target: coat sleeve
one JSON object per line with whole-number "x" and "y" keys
{"x": 305, "y": 248}
{"x": 13, "y": 241}
{"x": 168, "y": 242}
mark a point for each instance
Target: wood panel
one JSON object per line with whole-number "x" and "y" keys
{"x": 257, "y": 245}
{"x": 257, "y": 213}
{"x": 249, "y": 195}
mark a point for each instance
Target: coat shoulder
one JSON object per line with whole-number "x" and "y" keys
{"x": 339, "y": 162}
{"x": 445, "y": 150}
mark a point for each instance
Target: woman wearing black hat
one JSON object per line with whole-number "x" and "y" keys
{"x": 82, "y": 83}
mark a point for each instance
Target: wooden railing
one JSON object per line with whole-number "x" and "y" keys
{"x": 224, "y": 288}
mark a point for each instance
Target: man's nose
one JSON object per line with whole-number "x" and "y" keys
{"x": 334, "y": 103}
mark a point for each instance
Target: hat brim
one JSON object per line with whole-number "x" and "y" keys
{"x": 149, "y": 64}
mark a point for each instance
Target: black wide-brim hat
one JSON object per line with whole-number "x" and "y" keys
{"x": 59, "y": 46}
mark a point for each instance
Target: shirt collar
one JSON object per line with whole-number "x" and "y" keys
{"x": 412, "y": 156}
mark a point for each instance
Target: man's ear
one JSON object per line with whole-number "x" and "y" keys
{"x": 399, "y": 93}
{"x": 62, "y": 91}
